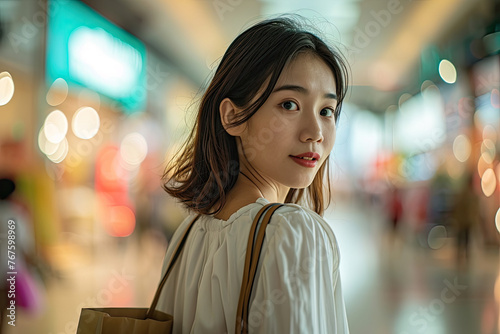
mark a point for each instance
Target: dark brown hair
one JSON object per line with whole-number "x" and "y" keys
{"x": 207, "y": 166}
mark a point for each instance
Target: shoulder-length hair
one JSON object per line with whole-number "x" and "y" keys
{"x": 207, "y": 166}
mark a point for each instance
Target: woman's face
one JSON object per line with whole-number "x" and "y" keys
{"x": 298, "y": 117}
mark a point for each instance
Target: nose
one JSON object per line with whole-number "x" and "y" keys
{"x": 311, "y": 130}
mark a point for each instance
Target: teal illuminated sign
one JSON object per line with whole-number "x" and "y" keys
{"x": 87, "y": 50}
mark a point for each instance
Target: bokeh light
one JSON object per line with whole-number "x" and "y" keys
{"x": 121, "y": 221}
{"x": 46, "y": 146}
{"x": 447, "y": 71}
{"x": 56, "y": 126}
{"x": 462, "y": 148}
{"x": 431, "y": 91}
{"x": 488, "y": 182}
{"x": 482, "y": 166}
{"x": 133, "y": 149}
{"x": 437, "y": 237}
{"x": 58, "y": 92}
{"x": 60, "y": 154}
{"x": 497, "y": 220}
{"x": 6, "y": 88}
{"x": 85, "y": 123}
{"x": 489, "y": 132}
{"x": 488, "y": 150}
{"x": 426, "y": 84}
{"x": 108, "y": 166}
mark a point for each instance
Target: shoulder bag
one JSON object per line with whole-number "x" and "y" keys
{"x": 151, "y": 321}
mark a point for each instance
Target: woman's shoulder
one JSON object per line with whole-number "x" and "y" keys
{"x": 297, "y": 230}
{"x": 296, "y": 211}
{"x": 294, "y": 216}
{"x": 299, "y": 224}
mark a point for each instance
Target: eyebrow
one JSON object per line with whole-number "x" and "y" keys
{"x": 303, "y": 90}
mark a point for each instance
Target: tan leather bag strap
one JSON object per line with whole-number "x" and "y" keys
{"x": 175, "y": 255}
{"x": 248, "y": 257}
{"x": 251, "y": 261}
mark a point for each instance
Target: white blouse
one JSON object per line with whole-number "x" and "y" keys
{"x": 297, "y": 286}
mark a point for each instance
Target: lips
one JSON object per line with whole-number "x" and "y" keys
{"x": 311, "y": 156}
{"x": 308, "y": 159}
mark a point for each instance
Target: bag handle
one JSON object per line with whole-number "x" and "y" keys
{"x": 177, "y": 252}
{"x": 251, "y": 261}
{"x": 254, "y": 248}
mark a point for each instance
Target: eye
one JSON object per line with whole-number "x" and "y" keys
{"x": 329, "y": 112}
{"x": 290, "y": 105}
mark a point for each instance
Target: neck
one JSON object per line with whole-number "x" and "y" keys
{"x": 256, "y": 186}
{"x": 251, "y": 184}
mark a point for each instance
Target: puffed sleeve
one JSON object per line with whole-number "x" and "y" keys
{"x": 297, "y": 288}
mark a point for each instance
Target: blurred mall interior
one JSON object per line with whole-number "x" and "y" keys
{"x": 96, "y": 96}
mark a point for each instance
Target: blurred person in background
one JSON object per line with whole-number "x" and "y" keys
{"x": 395, "y": 207}
{"x": 276, "y": 95}
{"x": 440, "y": 201}
{"x": 465, "y": 215}
{"x": 16, "y": 214}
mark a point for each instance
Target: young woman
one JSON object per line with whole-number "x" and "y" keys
{"x": 264, "y": 133}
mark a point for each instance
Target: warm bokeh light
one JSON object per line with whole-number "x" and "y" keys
{"x": 488, "y": 150}
{"x": 482, "y": 166}
{"x": 6, "y": 88}
{"x": 85, "y": 123}
{"x": 497, "y": 220}
{"x": 56, "y": 126}
{"x": 121, "y": 221}
{"x": 488, "y": 182}
{"x": 133, "y": 149}
{"x": 107, "y": 166}
{"x": 489, "y": 132}
{"x": 47, "y": 147}
{"x": 58, "y": 92}
{"x": 461, "y": 148}
{"x": 447, "y": 71}
{"x": 60, "y": 154}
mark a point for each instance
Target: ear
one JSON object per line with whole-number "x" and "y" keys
{"x": 228, "y": 112}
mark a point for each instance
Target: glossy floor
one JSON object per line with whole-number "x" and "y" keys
{"x": 391, "y": 285}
